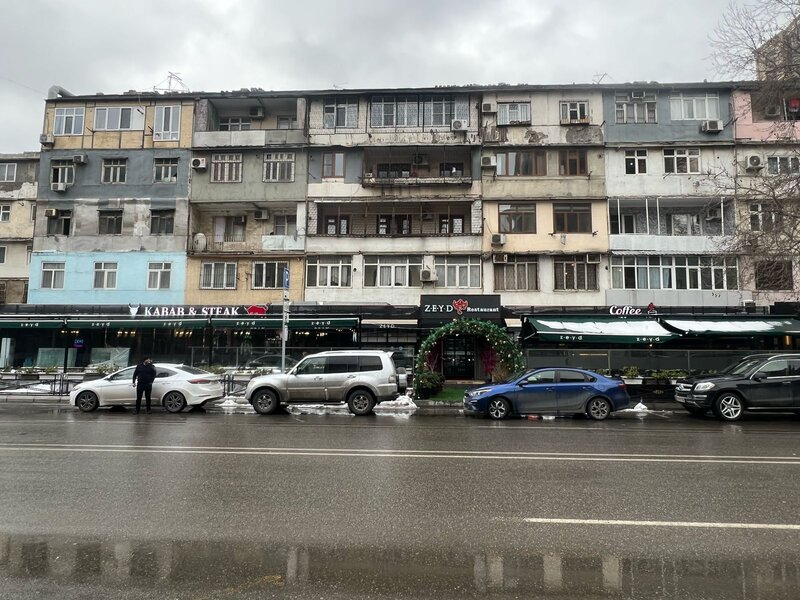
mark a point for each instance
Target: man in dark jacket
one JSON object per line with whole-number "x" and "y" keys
{"x": 143, "y": 377}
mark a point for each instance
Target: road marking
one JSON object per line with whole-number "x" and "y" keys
{"x": 695, "y": 524}
{"x": 380, "y": 453}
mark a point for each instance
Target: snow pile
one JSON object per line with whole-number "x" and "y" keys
{"x": 639, "y": 408}
{"x": 401, "y": 405}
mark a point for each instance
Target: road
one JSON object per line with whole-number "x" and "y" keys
{"x": 233, "y": 505}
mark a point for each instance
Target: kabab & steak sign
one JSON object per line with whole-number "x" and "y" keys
{"x": 171, "y": 310}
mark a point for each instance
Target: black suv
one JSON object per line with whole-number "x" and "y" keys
{"x": 760, "y": 382}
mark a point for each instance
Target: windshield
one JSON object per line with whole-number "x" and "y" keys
{"x": 742, "y": 367}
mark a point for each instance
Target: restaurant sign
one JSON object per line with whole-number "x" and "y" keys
{"x": 441, "y": 307}
{"x": 172, "y": 310}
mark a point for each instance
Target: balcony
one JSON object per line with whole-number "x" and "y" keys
{"x": 370, "y": 180}
{"x": 254, "y": 138}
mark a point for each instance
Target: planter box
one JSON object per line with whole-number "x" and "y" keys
{"x": 632, "y": 380}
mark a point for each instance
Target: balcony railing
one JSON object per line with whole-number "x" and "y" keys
{"x": 370, "y": 180}
{"x": 249, "y": 138}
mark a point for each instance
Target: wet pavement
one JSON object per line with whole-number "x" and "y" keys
{"x": 229, "y": 504}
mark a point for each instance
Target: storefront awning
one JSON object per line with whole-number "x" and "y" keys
{"x": 100, "y": 323}
{"x": 600, "y": 329}
{"x": 389, "y": 323}
{"x": 294, "y": 323}
{"x": 734, "y": 326}
{"x": 31, "y": 323}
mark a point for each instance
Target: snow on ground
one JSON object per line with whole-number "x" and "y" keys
{"x": 403, "y": 405}
{"x": 39, "y": 389}
{"x": 639, "y": 408}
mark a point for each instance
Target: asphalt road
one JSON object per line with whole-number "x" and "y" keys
{"x": 234, "y": 505}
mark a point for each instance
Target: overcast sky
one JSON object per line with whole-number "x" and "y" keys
{"x": 111, "y": 46}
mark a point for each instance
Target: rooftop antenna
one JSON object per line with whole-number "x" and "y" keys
{"x": 173, "y": 84}
{"x": 339, "y": 86}
{"x": 598, "y": 77}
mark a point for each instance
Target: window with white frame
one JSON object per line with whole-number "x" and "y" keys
{"x": 165, "y": 170}
{"x": 62, "y": 171}
{"x": 394, "y": 170}
{"x": 574, "y": 112}
{"x": 168, "y": 123}
{"x": 218, "y": 276}
{"x": 105, "y": 275}
{"x": 689, "y": 107}
{"x": 287, "y": 122}
{"x": 523, "y": 163}
{"x": 329, "y": 271}
{"x": 115, "y": 170}
{"x": 513, "y": 113}
{"x": 279, "y": 166}
{"x": 635, "y": 107}
{"x": 774, "y": 275}
{"x": 8, "y": 172}
{"x": 226, "y": 168}
{"x": 635, "y": 162}
{"x": 109, "y": 222}
{"x": 333, "y": 164}
{"x": 392, "y": 271}
{"x": 5, "y": 213}
{"x": 520, "y": 272}
{"x": 285, "y": 225}
{"x": 53, "y": 275}
{"x": 268, "y": 275}
{"x": 451, "y": 224}
{"x": 783, "y": 165}
{"x": 112, "y": 118}
{"x": 60, "y": 223}
{"x": 340, "y": 112}
{"x": 337, "y": 225}
{"x": 3, "y": 250}
{"x": 517, "y": 218}
{"x": 439, "y": 111}
{"x": 159, "y": 275}
{"x": 458, "y": 271}
{"x": 231, "y": 228}
{"x": 69, "y": 121}
{"x": 162, "y": 221}
{"x": 394, "y": 224}
{"x": 682, "y": 161}
{"x": 674, "y": 273}
{"x": 383, "y": 112}
{"x": 765, "y": 216}
{"x": 234, "y": 123}
{"x": 574, "y": 273}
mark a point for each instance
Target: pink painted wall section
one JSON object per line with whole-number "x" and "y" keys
{"x": 759, "y": 131}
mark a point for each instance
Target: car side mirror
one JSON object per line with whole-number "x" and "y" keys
{"x": 760, "y": 376}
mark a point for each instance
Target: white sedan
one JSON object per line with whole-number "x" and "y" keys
{"x": 175, "y": 387}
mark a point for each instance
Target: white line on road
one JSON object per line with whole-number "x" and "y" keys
{"x": 695, "y": 524}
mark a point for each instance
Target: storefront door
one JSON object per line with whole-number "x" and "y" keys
{"x": 458, "y": 354}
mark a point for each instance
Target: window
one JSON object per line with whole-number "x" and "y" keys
{"x": 524, "y": 163}
{"x": 574, "y": 273}
{"x": 69, "y": 121}
{"x": 764, "y": 217}
{"x": 62, "y": 171}
{"x": 115, "y": 170}
{"x": 438, "y": 111}
{"x": 687, "y": 107}
{"x": 572, "y": 218}
{"x": 519, "y": 273}
{"x": 392, "y": 271}
{"x": 3, "y": 254}
{"x": 333, "y": 164}
{"x": 407, "y": 111}
{"x": 5, "y": 213}
{"x": 450, "y": 169}
{"x": 337, "y": 225}
{"x": 783, "y": 165}
{"x": 684, "y": 224}
{"x": 53, "y": 275}
{"x": 230, "y": 229}
{"x": 574, "y": 112}
{"x": 105, "y": 275}
{"x": 268, "y": 275}
{"x": 218, "y": 276}
{"x": 226, "y": 168}
{"x": 287, "y": 122}
{"x": 635, "y": 162}
{"x": 234, "y": 123}
{"x": 165, "y": 170}
{"x": 340, "y": 112}
{"x": 394, "y": 170}
{"x": 383, "y": 112}
{"x": 112, "y": 119}
{"x": 458, "y": 271}
{"x": 572, "y": 162}
{"x": 33, "y": 212}
{"x": 162, "y": 222}
{"x": 279, "y": 166}
{"x": 682, "y": 160}
{"x": 394, "y": 224}
{"x": 517, "y": 218}
{"x": 159, "y": 275}
{"x": 774, "y": 275}
{"x": 168, "y": 123}
{"x": 623, "y": 223}
{"x": 512, "y": 113}
{"x": 8, "y": 172}
{"x": 109, "y": 222}
{"x": 329, "y": 271}
{"x": 285, "y": 225}
{"x": 451, "y": 224}
{"x": 60, "y": 224}
{"x": 28, "y": 253}
{"x": 674, "y": 273}
{"x": 635, "y": 107}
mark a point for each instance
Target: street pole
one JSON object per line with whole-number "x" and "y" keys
{"x": 285, "y": 318}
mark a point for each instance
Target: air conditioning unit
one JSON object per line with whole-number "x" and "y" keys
{"x": 199, "y": 242}
{"x": 59, "y": 186}
{"x": 261, "y": 215}
{"x": 47, "y": 139}
{"x": 499, "y": 258}
{"x": 489, "y": 162}
{"x": 421, "y": 159}
{"x": 498, "y": 239}
{"x": 79, "y": 159}
{"x": 772, "y": 112}
{"x": 714, "y": 126}
{"x": 256, "y": 112}
{"x": 199, "y": 164}
{"x": 427, "y": 275}
{"x": 459, "y": 125}
{"x": 637, "y": 95}
{"x": 489, "y": 107}
{"x": 593, "y": 259}
{"x": 754, "y": 162}
{"x": 50, "y": 213}
{"x": 713, "y": 213}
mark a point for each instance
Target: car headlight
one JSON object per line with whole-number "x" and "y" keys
{"x": 704, "y": 386}
{"x": 478, "y": 392}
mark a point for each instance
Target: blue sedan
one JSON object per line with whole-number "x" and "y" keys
{"x": 558, "y": 390}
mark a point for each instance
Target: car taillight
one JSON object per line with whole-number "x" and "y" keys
{"x": 201, "y": 381}
{"x": 622, "y": 385}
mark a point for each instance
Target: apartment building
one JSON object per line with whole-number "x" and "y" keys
{"x": 18, "y": 192}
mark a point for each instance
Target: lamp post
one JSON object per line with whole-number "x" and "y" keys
{"x": 285, "y": 318}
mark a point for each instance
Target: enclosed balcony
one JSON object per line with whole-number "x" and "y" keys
{"x": 417, "y": 166}
{"x": 251, "y": 232}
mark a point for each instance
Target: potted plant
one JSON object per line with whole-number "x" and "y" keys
{"x": 428, "y": 383}
{"x": 631, "y": 375}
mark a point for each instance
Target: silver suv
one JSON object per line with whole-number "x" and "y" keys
{"x": 362, "y": 378}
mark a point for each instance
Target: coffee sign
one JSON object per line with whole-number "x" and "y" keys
{"x": 628, "y": 310}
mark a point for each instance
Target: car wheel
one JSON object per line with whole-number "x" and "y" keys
{"x": 174, "y": 402}
{"x": 87, "y": 401}
{"x": 498, "y": 409}
{"x": 729, "y": 407}
{"x": 265, "y": 402}
{"x": 598, "y": 408}
{"x": 361, "y": 402}
{"x": 696, "y": 411}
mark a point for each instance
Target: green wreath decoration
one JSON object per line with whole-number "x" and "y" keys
{"x": 509, "y": 355}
